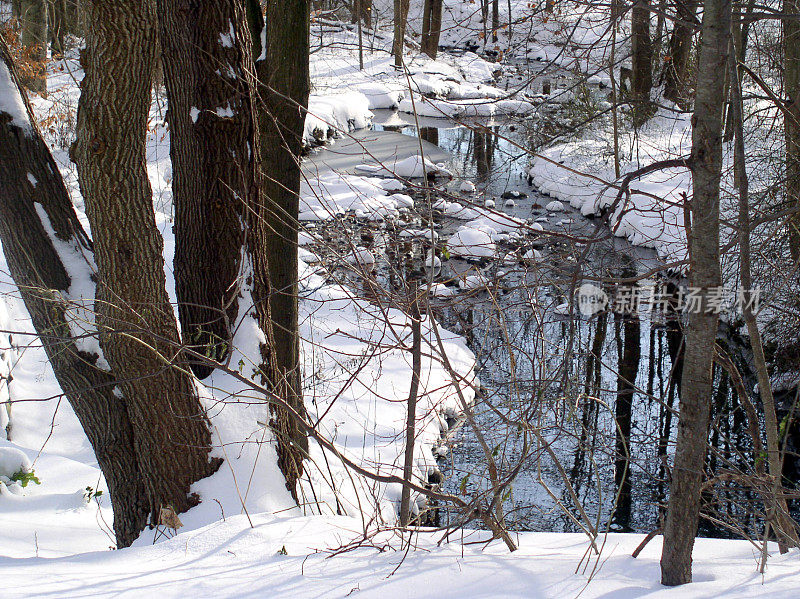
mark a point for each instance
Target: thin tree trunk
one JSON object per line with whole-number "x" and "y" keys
{"x": 642, "y": 61}
{"x": 212, "y": 136}
{"x": 362, "y": 11}
{"x": 33, "y": 35}
{"x": 431, "y": 27}
{"x": 704, "y": 275}
{"x": 791, "y": 42}
{"x": 411, "y": 409}
{"x": 495, "y": 19}
{"x": 400, "y": 19}
{"x": 57, "y": 12}
{"x": 781, "y": 521}
{"x": 284, "y": 87}
{"x": 35, "y": 211}
{"x": 139, "y": 335}
{"x": 676, "y": 68}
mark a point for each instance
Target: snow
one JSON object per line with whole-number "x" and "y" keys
{"x": 581, "y": 173}
{"x": 330, "y": 194}
{"x": 471, "y": 243}
{"x": 12, "y": 461}
{"x": 10, "y": 101}
{"x": 247, "y": 538}
{"x": 411, "y": 167}
{"x": 292, "y": 557}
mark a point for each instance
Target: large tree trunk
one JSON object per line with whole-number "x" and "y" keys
{"x": 791, "y": 41}
{"x": 704, "y": 275}
{"x": 283, "y": 90}
{"x": 33, "y": 17}
{"x": 642, "y": 61}
{"x": 139, "y": 335}
{"x": 431, "y": 27}
{"x": 35, "y": 208}
{"x": 212, "y": 135}
{"x": 676, "y": 86}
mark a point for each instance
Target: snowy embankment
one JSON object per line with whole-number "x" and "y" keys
{"x": 293, "y": 557}
{"x": 581, "y": 173}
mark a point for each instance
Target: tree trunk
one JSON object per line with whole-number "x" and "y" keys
{"x": 284, "y": 87}
{"x": 642, "y": 61}
{"x": 33, "y": 35}
{"x": 171, "y": 434}
{"x": 791, "y": 40}
{"x": 777, "y": 509}
{"x": 57, "y": 13}
{"x": 212, "y": 133}
{"x": 495, "y": 19}
{"x": 400, "y": 19}
{"x": 431, "y": 27}
{"x": 362, "y": 10}
{"x": 704, "y": 275}
{"x": 676, "y": 69}
{"x": 34, "y": 208}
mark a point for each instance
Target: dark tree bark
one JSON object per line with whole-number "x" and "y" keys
{"x": 431, "y": 27}
{"x": 362, "y": 10}
{"x": 57, "y": 13}
{"x": 398, "y": 41}
{"x": 704, "y": 274}
{"x": 676, "y": 69}
{"x": 284, "y": 85}
{"x": 495, "y": 19}
{"x": 212, "y": 137}
{"x": 139, "y": 335}
{"x": 33, "y": 35}
{"x": 36, "y": 214}
{"x": 642, "y": 61}
{"x": 791, "y": 41}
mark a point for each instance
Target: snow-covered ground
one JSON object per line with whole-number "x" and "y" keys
{"x": 246, "y": 538}
{"x": 281, "y": 556}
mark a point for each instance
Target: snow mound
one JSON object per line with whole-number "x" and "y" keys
{"x": 471, "y": 243}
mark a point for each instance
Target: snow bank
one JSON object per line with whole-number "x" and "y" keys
{"x": 653, "y": 214}
{"x": 331, "y": 194}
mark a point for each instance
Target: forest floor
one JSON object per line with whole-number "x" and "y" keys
{"x": 246, "y": 539}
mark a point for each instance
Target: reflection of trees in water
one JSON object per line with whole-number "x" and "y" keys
{"x": 612, "y": 435}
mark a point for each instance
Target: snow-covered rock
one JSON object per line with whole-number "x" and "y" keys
{"x": 471, "y": 243}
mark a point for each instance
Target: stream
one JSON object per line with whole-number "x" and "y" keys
{"x": 600, "y": 391}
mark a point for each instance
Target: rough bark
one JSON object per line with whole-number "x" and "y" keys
{"x": 431, "y": 27}
{"x": 676, "y": 69}
{"x": 139, "y": 335}
{"x": 400, "y": 20}
{"x": 33, "y": 35}
{"x": 704, "y": 274}
{"x": 283, "y": 88}
{"x": 642, "y": 61}
{"x": 791, "y": 40}
{"x": 36, "y": 217}
{"x": 212, "y": 137}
